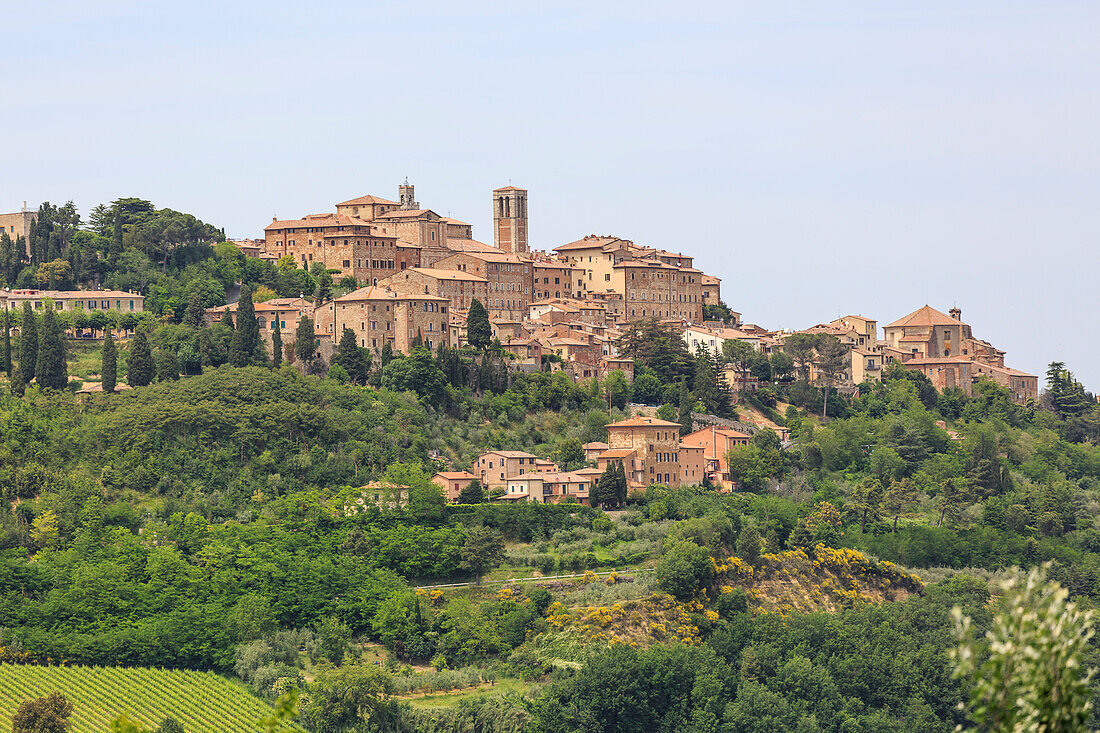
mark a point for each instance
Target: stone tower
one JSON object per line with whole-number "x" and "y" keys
{"x": 956, "y": 313}
{"x": 406, "y": 196}
{"x": 510, "y": 219}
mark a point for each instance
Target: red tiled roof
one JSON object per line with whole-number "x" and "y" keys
{"x": 367, "y": 200}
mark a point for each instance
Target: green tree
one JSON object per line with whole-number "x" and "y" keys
{"x": 18, "y": 384}
{"x": 323, "y": 291}
{"x": 833, "y": 361}
{"x": 49, "y": 714}
{"x": 1028, "y": 673}
{"x": 195, "y": 313}
{"x": 167, "y": 365}
{"x": 483, "y": 550}
{"x": 748, "y": 544}
{"x": 334, "y": 639}
{"x": 478, "y": 331}
{"x": 116, "y": 237}
{"x": 109, "y": 368}
{"x": 354, "y": 359}
{"x": 5, "y": 348}
{"x": 276, "y": 346}
{"x": 140, "y": 368}
{"x": 50, "y": 371}
{"x": 170, "y": 725}
{"x": 28, "y": 342}
{"x": 570, "y": 454}
{"x": 687, "y": 422}
{"x": 352, "y": 697}
{"x": 900, "y": 497}
{"x": 244, "y": 349}
{"x": 685, "y": 569}
{"x": 472, "y": 493}
{"x": 305, "y": 343}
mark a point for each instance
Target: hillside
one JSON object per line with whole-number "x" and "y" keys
{"x": 202, "y": 702}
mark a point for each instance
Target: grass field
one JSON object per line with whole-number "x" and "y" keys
{"x": 202, "y": 702}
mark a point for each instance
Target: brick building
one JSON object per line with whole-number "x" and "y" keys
{"x": 508, "y": 275}
{"x": 652, "y": 288}
{"x": 378, "y": 315}
{"x": 458, "y": 287}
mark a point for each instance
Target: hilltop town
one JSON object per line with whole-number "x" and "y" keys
{"x": 401, "y": 275}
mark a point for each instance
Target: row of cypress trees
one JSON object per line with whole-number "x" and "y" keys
{"x": 41, "y": 352}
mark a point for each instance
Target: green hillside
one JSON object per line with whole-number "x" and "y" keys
{"x": 200, "y": 701}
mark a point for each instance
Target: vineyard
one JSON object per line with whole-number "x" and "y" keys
{"x": 202, "y": 702}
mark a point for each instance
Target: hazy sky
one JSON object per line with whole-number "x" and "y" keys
{"x": 860, "y": 158}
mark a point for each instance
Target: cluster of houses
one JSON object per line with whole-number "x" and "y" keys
{"x": 650, "y": 450}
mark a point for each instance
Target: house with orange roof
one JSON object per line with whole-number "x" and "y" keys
{"x": 458, "y": 287}
{"x": 656, "y": 443}
{"x": 716, "y": 442}
{"x": 495, "y": 467}
{"x": 453, "y": 482}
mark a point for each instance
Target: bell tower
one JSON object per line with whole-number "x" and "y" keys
{"x": 510, "y": 219}
{"x": 406, "y": 196}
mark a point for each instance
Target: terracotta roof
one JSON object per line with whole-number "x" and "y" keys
{"x": 469, "y": 245}
{"x": 595, "y": 445}
{"x": 455, "y": 474}
{"x": 642, "y": 421}
{"x": 926, "y": 316}
{"x": 407, "y": 214}
{"x": 511, "y": 453}
{"x": 377, "y": 292}
{"x": 317, "y": 220}
{"x": 366, "y": 200}
{"x": 590, "y": 242}
{"x": 449, "y": 220}
{"x": 509, "y": 188}
{"x": 710, "y": 280}
{"x": 441, "y": 274}
{"x": 617, "y": 453}
{"x": 68, "y": 294}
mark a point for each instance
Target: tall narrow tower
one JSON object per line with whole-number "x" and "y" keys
{"x": 406, "y": 196}
{"x": 510, "y": 219}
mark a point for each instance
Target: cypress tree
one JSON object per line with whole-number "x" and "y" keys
{"x": 109, "y": 371}
{"x": 18, "y": 386}
{"x": 227, "y": 320}
{"x": 246, "y": 339}
{"x": 684, "y": 418}
{"x": 277, "y": 345}
{"x": 350, "y": 356}
{"x": 478, "y": 331}
{"x": 28, "y": 342}
{"x": 5, "y": 354}
{"x": 305, "y": 345}
{"x": 139, "y": 369}
{"x": 193, "y": 316}
{"x": 387, "y": 353}
{"x": 50, "y": 371}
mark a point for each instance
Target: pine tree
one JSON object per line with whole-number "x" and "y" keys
{"x": 305, "y": 344}
{"x": 5, "y": 354}
{"x": 276, "y": 345}
{"x": 478, "y": 331}
{"x": 116, "y": 237}
{"x": 28, "y": 342}
{"x": 244, "y": 348}
{"x": 109, "y": 371}
{"x": 140, "y": 367}
{"x": 50, "y": 369}
{"x": 193, "y": 316}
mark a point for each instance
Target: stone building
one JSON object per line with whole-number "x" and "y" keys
{"x": 69, "y": 300}
{"x": 652, "y": 288}
{"x": 458, "y": 287}
{"x": 378, "y": 315}
{"x": 657, "y": 444}
{"x": 18, "y": 225}
{"x": 509, "y": 278}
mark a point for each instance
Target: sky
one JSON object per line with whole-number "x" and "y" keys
{"x": 821, "y": 158}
